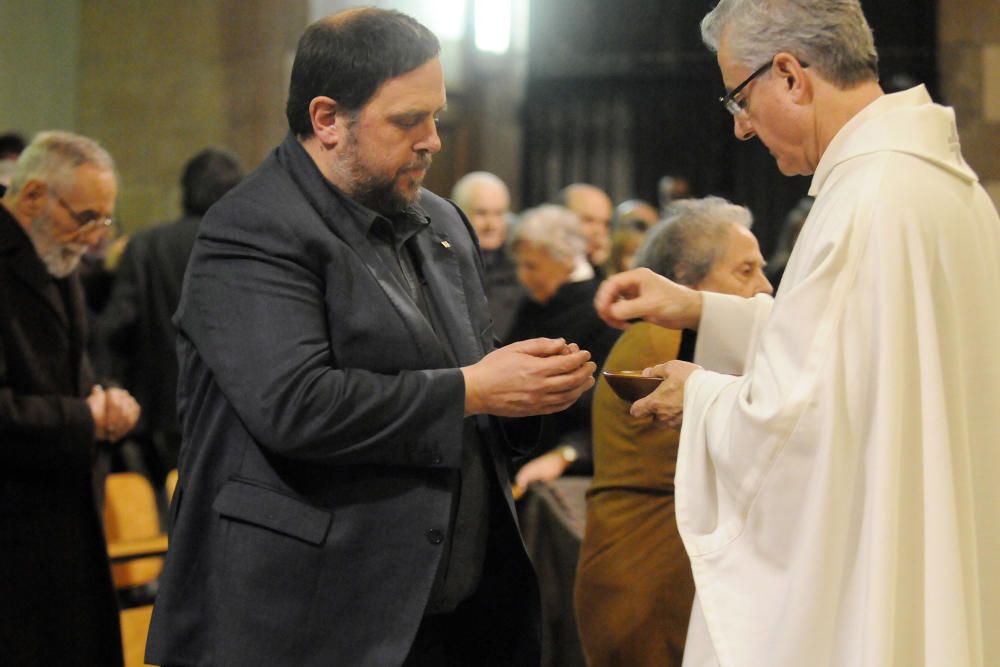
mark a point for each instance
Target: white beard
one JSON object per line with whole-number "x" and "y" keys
{"x": 60, "y": 259}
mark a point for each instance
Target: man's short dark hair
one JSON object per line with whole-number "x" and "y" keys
{"x": 347, "y": 56}
{"x": 207, "y": 176}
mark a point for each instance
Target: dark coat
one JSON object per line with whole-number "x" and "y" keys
{"x": 136, "y": 325}
{"x": 322, "y": 424}
{"x": 569, "y": 314}
{"x": 503, "y": 290}
{"x": 57, "y": 603}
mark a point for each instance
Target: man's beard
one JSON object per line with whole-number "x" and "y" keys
{"x": 381, "y": 193}
{"x": 60, "y": 259}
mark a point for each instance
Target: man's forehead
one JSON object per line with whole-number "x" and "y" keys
{"x": 420, "y": 89}
{"x": 90, "y": 184}
{"x": 492, "y": 194}
{"x": 732, "y": 72}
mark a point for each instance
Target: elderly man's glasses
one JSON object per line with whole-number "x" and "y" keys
{"x": 86, "y": 220}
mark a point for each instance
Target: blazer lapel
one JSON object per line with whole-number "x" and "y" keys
{"x": 314, "y": 187}
{"x": 447, "y": 291}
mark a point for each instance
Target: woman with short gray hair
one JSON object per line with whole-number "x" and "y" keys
{"x": 633, "y": 589}
{"x": 549, "y": 249}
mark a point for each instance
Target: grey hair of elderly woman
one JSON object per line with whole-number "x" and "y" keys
{"x": 691, "y": 238}
{"x": 832, "y": 36}
{"x": 553, "y": 229}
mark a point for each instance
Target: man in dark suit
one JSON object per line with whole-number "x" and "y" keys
{"x": 135, "y": 327}
{"x": 342, "y": 495}
{"x": 57, "y": 604}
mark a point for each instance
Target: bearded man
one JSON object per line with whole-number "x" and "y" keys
{"x": 341, "y": 496}
{"x": 57, "y": 603}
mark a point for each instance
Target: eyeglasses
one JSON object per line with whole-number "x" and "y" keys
{"x": 739, "y": 106}
{"x": 86, "y": 220}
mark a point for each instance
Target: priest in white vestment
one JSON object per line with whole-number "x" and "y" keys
{"x": 838, "y": 482}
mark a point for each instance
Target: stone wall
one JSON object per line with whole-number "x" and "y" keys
{"x": 159, "y": 81}
{"x": 156, "y": 81}
{"x": 969, "y": 65}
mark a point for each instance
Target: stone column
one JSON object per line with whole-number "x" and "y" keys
{"x": 969, "y": 63}
{"x": 159, "y": 81}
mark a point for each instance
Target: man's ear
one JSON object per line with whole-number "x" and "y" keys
{"x": 796, "y": 81}
{"x": 31, "y": 199}
{"x": 328, "y": 125}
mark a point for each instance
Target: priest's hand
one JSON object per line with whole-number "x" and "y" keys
{"x": 666, "y": 403}
{"x": 643, "y": 294}
{"x": 531, "y": 377}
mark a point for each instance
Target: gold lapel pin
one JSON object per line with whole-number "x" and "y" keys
{"x": 445, "y": 244}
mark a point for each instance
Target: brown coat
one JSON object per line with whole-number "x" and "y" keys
{"x": 634, "y": 587}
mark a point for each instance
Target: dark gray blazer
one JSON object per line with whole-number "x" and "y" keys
{"x": 322, "y": 427}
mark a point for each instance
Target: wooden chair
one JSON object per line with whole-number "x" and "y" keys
{"x": 136, "y": 546}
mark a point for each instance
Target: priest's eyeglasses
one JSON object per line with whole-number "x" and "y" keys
{"x": 739, "y": 106}
{"x": 86, "y": 221}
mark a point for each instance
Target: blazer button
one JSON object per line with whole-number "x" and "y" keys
{"x": 435, "y": 536}
{"x": 437, "y": 460}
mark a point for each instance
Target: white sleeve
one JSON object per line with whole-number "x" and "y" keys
{"x": 728, "y": 331}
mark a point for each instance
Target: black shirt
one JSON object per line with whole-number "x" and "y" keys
{"x": 461, "y": 564}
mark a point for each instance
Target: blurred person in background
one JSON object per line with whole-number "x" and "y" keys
{"x": 624, "y": 244}
{"x": 594, "y": 209}
{"x": 57, "y": 602}
{"x": 135, "y": 327}
{"x": 635, "y": 213}
{"x": 11, "y": 145}
{"x": 786, "y": 240}
{"x": 671, "y": 188}
{"x": 634, "y": 589}
{"x": 485, "y": 200}
{"x": 549, "y": 247}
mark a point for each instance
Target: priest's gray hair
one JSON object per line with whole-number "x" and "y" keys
{"x": 53, "y": 157}
{"x": 462, "y": 191}
{"x": 691, "y": 238}
{"x": 832, "y": 36}
{"x": 553, "y": 229}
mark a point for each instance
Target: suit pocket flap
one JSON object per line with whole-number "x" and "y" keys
{"x": 273, "y": 510}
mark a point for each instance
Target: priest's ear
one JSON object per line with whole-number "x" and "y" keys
{"x": 793, "y": 73}
{"x": 329, "y": 121}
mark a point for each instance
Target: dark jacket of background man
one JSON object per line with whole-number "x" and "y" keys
{"x": 136, "y": 327}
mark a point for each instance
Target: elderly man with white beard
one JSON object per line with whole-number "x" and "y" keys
{"x": 57, "y": 603}
{"x": 836, "y": 482}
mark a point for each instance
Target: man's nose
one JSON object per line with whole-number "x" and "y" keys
{"x": 431, "y": 143}
{"x": 742, "y": 127}
{"x": 763, "y": 285}
{"x": 93, "y": 236}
